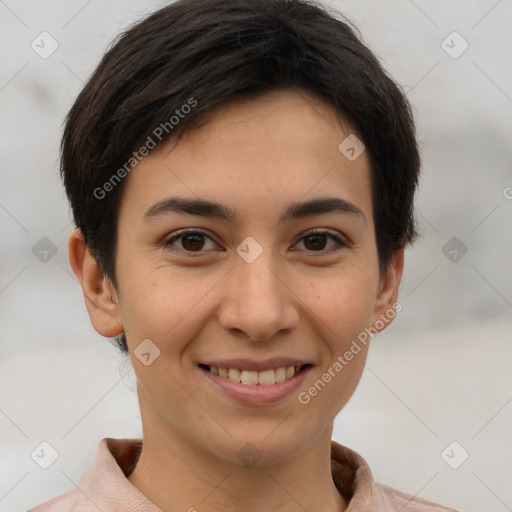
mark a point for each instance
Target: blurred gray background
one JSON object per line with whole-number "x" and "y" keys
{"x": 437, "y": 387}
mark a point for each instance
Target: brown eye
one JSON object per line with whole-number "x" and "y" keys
{"x": 316, "y": 241}
{"x": 191, "y": 242}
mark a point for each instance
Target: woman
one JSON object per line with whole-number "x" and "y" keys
{"x": 241, "y": 175}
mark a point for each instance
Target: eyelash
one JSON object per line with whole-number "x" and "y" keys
{"x": 169, "y": 241}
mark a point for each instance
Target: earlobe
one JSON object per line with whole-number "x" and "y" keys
{"x": 387, "y": 298}
{"x": 99, "y": 294}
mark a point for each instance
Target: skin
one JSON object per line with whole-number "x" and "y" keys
{"x": 294, "y": 300}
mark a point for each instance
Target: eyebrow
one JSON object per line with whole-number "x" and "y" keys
{"x": 205, "y": 208}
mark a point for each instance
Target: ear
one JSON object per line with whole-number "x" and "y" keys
{"x": 100, "y": 295}
{"x": 387, "y": 298}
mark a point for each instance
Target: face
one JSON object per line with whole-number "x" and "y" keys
{"x": 257, "y": 288}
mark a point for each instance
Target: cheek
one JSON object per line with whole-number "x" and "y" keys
{"x": 343, "y": 300}
{"x": 343, "y": 307}
{"x": 161, "y": 303}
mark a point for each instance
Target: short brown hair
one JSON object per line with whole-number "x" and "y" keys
{"x": 215, "y": 51}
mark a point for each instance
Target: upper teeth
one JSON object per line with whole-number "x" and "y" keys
{"x": 266, "y": 377}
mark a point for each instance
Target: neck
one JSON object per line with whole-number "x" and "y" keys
{"x": 177, "y": 475}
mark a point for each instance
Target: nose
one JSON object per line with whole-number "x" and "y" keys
{"x": 258, "y": 303}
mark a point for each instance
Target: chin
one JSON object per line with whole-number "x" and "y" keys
{"x": 261, "y": 444}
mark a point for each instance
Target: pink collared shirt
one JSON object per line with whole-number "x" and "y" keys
{"x": 104, "y": 486}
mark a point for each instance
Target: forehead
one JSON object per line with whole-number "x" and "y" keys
{"x": 265, "y": 151}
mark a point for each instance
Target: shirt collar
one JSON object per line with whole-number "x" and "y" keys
{"x": 105, "y": 483}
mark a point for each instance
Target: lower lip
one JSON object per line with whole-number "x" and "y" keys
{"x": 258, "y": 394}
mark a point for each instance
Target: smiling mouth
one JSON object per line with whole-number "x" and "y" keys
{"x": 264, "y": 378}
